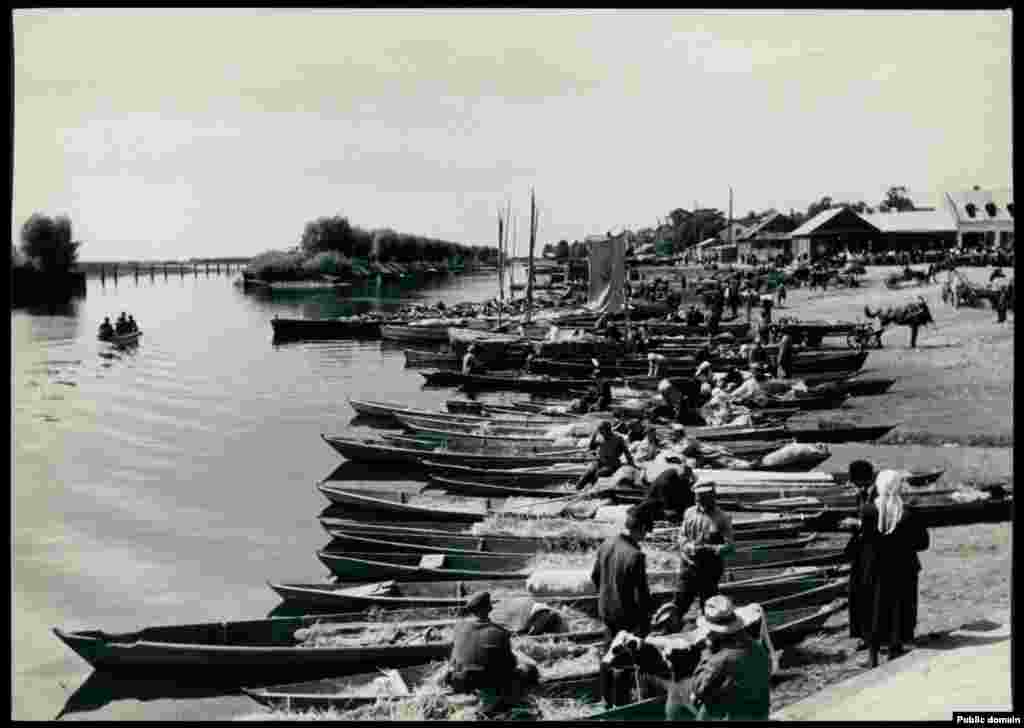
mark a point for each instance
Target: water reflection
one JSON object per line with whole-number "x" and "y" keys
{"x": 102, "y": 688}
{"x": 352, "y": 471}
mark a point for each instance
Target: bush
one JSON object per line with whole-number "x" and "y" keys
{"x": 276, "y": 265}
{"x": 329, "y": 263}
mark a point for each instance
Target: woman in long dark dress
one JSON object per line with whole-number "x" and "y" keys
{"x": 891, "y": 536}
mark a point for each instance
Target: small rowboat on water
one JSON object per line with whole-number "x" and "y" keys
{"x": 122, "y": 339}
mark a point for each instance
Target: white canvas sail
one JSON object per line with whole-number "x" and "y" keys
{"x": 607, "y": 275}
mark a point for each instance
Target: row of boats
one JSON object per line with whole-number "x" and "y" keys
{"x": 497, "y": 511}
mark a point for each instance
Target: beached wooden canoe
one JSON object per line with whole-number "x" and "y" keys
{"x": 388, "y": 410}
{"x": 289, "y": 329}
{"x": 435, "y": 334}
{"x": 363, "y": 450}
{"x": 236, "y": 652}
{"x": 786, "y": 620}
{"x": 761, "y": 585}
{"x": 355, "y": 568}
{"x": 353, "y": 535}
{"x": 371, "y": 545}
{"x": 515, "y": 382}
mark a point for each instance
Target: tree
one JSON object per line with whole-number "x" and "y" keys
{"x": 896, "y": 199}
{"x": 825, "y": 203}
{"x": 47, "y": 243}
{"x": 328, "y": 233}
{"x": 678, "y": 217}
{"x": 859, "y": 206}
{"x": 562, "y": 250}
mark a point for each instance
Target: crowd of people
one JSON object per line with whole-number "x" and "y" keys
{"x": 125, "y": 324}
{"x": 731, "y": 680}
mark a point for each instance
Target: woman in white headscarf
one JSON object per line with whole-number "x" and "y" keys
{"x": 891, "y": 537}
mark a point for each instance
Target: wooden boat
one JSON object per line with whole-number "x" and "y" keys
{"x": 757, "y": 530}
{"x": 322, "y": 329}
{"x": 361, "y": 450}
{"x": 844, "y": 433}
{"x": 937, "y": 512}
{"x": 537, "y": 431}
{"x": 393, "y": 595}
{"x": 784, "y": 618}
{"x": 379, "y": 409}
{"x": 421, "y": 567}
{"x": 415, "y": 539}
{"x": 855, "y": 387}
{"x": 235, "y": 652}
{"x": 411, "y": 332}
{"x": 497, "y": 490}
{"x": 743, "y": 447}
{"x": 328, "y": 285}
{"x": 122, "y": 339}
{"x": 371, "y": 546}
{"x": 798, "y": 626}
{"x": 516, "y": 382}
{"x": 369, "y": 505}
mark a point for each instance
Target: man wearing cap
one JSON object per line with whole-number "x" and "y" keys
{"x": 470, "y": 364}
{"x": 610, "y": 449}
{"x": 784, "y": 359}
{"x": 705, "y": 538}
{"x": 862, "y": 477}
{"x": 620, "y": 575}
{"x": 674, "y": 398}
{"x": 732, "y": 679}
{"x": 482, "y": 656}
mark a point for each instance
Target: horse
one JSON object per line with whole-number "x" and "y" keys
{"x": 914, "y": 314}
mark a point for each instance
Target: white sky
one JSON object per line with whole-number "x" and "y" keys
{"x": 178, "y": 133}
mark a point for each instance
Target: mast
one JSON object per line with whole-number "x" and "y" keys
{"x": 533, "y": 241}
{"x": 730, "y": 218}
{"x": 501, "y": 265}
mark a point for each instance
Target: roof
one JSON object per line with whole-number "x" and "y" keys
{"x": 760, "y": 228}
{"x": 956, "y": 203}
{"x": 816, "y": 222}
{"x": 913, "y": 221}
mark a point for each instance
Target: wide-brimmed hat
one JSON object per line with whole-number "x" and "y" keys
{"x": 479, "y": 602}
{"x": 720, "y": 616}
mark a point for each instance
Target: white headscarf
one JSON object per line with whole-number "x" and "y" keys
{"x": 889, "y": 484}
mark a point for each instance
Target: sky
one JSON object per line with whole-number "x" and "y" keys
{"x": 168, "y": 134}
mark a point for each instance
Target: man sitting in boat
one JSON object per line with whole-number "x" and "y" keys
{"x": 470, "y": 364}
{"x": 674, "y": 398}
{"x": 757, "y": 354}
{"x": 671, "y": 488}
{"x": 106, "y": 329}
{"x": 121, "y": 326}
{"x": 647, "y": 448}
{"x": 693, "y": 316}
{"x": 611, "y": 448}
{"x": 752, "y": 387}
{"x": 482, "y": 657}
{"x": 132, "y": 326}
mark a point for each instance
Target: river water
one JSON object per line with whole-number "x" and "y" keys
{"x": 167, "y": 483}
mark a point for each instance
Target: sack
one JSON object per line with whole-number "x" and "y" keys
{"x": 794, "y": 453}
{"x": 560, "y": 582}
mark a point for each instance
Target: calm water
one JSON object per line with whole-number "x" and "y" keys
{"x": 167, "y": 483}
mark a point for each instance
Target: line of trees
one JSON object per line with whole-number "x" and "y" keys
{"x": 332, "y": 245}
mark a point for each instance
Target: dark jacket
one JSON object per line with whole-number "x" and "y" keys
{"x": 620, "y": 575}
{"x": 482, "y": 654}
{"x": 733, "y": 682}
{"x": 887, "y": 576}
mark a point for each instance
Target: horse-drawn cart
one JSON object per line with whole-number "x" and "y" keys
{"x": 811, "y": 333}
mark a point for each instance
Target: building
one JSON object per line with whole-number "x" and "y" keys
{"x": 831, "y": 231}
{"x": 983, "y": 218}
{"x": 767, "y": 238}
{"x": 912, "y": 230}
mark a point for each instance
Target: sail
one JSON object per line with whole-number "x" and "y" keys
{"x": 607, "y": 275}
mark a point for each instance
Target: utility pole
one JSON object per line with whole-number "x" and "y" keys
{"x": 533, "y": 241}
